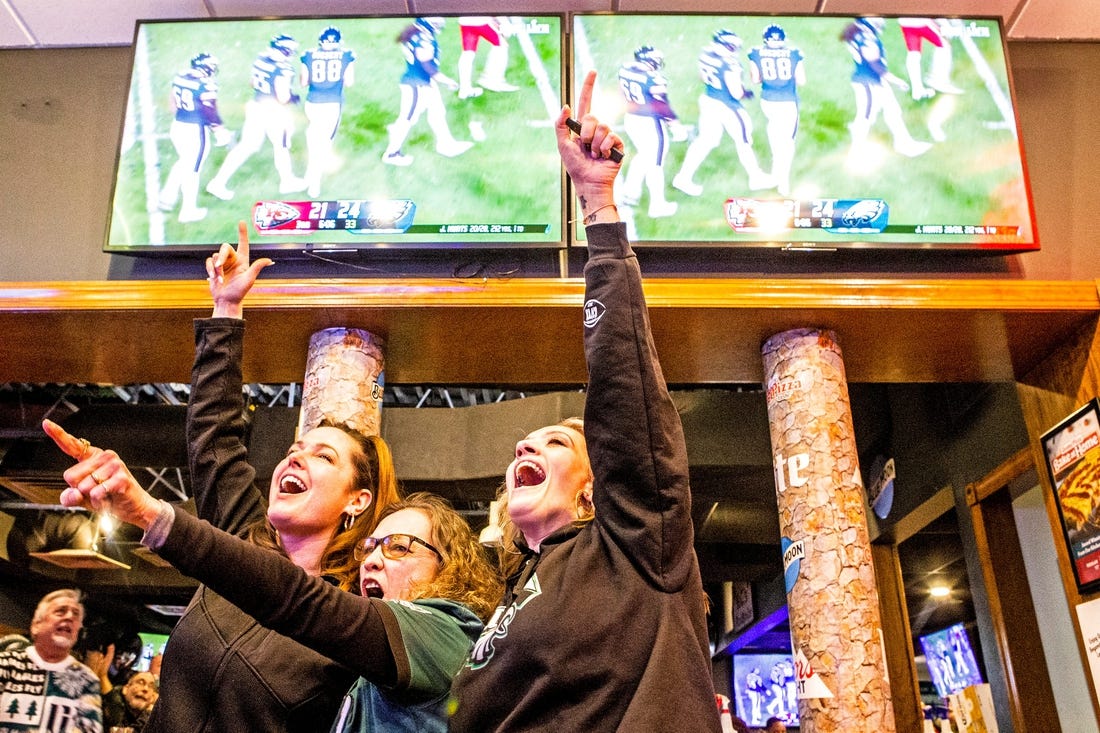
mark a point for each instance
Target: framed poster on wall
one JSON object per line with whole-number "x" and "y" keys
{"x": 1072, "y": 451}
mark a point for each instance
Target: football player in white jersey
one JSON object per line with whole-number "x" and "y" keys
{"x": 651, "y": 125}
{"x": 267, "y": 115}
{"x": 777, "y": 67}
{"x": 493, "y": 30}
{"x": 872, "y": 82}
{"x": 326, "y": 72}
{"x": 721, "y": 110}
{"x": 420, "y": 93}
{"x": 196, "y": 126}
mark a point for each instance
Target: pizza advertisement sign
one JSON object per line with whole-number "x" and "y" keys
{"x": 1072, "y": 450}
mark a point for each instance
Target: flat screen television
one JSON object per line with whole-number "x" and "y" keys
{"x": 811, "y": 132}
{"x": 152, "y": 645}
{"x": 950, "y": 659}
{"x": 764, "y": 686}
{"x": 261, "y": 120}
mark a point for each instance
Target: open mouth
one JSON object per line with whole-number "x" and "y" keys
{"x": 528, "y": 474}
{"x": 292, "y": 485}
{"x": 371, "y": 589}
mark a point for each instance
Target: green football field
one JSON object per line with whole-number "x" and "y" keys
{"x": 514, "y": 173}
{"x": 973, "y": 177}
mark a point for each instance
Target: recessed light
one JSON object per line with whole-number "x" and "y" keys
{"x": 939, "y": 591}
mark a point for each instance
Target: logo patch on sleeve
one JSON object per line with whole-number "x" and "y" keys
{"x": 593, "y": 312}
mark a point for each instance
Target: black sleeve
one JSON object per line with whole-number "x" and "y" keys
{"x": 222, "y": 480}
{"x": 349, "y": 629}
{"x": 634, "y": 435}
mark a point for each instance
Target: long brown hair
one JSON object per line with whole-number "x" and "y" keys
{"x": 373, "y": 464}
{"x": 465, "y": 573}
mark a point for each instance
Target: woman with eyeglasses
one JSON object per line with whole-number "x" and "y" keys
{"x": 603, "y": 624}
{"x": 425, "y": 586}
{"x": 222, "y": 670}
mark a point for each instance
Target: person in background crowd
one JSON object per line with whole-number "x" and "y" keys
{"x": 775, "y": 725}
{"x": 131, "y": 704}
{"x": 425, "y": 586}
{"x": 43, "y": 687}
{"x": 603, "y": 622}
{"x": 222, "y": 670}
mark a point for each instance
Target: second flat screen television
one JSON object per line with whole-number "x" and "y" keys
{"x": 812, "y": 132}
{"x": 333, "y": 133}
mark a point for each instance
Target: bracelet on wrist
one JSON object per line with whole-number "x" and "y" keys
{"x": 590, "y": 217}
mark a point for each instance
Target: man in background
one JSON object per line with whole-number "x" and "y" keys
{"x": 131, "y": 704}
{"x": 43, "y": 688}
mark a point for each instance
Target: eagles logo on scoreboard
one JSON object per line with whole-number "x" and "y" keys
{"x": 838, "y": 216}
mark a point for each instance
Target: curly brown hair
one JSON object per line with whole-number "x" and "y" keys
{"x": 374, "y": 470}
{"x": 465, "y": 574}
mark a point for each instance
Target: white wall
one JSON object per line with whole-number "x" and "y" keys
{"x": 1067, "y": 673}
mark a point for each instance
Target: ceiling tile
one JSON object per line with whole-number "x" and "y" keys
{"x": 11, "y": 32}
{"x": 1057, "y": 19}
{"x": 964, "y": 8}
{"x": 297, "y": 8}
{"x": 107, "y": 23}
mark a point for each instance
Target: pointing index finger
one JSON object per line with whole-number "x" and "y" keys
{"x": 584, "y": 101}
{"x": 242, "y": 240}
{"x": 69, "y": 444}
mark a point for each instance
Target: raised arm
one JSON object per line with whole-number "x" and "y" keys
{"x": 221, "y": 477}
{"x": 359, "y": 633}
{"x": 634, "y": 435}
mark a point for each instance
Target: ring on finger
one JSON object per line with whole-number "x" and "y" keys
{"x": 97, "y": 479}
{"x": 84, "y": 445}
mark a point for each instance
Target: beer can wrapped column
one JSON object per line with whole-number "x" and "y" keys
{"x": 832, "y": 599}
{"x": 343, "y": 380}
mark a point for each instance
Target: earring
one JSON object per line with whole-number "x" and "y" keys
{"x": 349, "y": 520}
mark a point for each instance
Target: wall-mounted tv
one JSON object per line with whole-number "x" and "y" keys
{"x": 342, "y": 133}
{"x": 951, "y": 660}
{"x": 764, "y": 687}
{"x": 811, "y": 132}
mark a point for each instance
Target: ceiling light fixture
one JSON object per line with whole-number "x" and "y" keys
{"x": 939, "y": 591}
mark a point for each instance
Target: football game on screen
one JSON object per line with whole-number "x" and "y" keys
{"x": 810, "y": 130}
{"x": 342, "y": 133}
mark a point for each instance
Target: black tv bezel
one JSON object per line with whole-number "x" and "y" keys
{"x": 288, "y": 246}
{"x": 840, "y": 247}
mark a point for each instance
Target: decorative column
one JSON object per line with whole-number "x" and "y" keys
{"x": 343, "y": 380}
{"x": 832, "y": 600}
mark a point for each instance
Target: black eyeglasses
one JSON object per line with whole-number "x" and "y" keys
{"x": 394, "y": 546}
